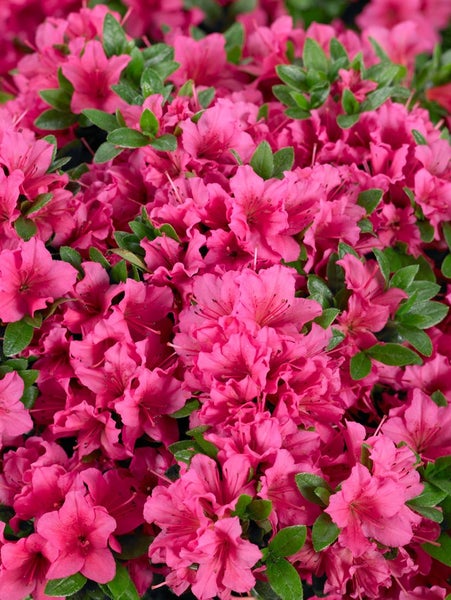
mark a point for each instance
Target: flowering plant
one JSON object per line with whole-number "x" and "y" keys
{"x": 225, "y": 263}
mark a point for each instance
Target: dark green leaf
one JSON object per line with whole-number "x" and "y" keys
{"x": 292, "y": 75}
{"x": 129, "y": 257}
{"x": 128, "y": 138}
{"x": 283, "y": 161}
{"x": 65, "y": 586}
{"x": 284, "y": 579}
{"x": 55, "y": 120}
{"x": 114, "y": 38}
{"x": 347, "y": 121}
{"x": 106, "y": 152}
{"x": 96, "y": 256}
{"x": 360, "y": 366}
{"x": 241, "y": 506}
{"x": 128, "y": 92}
{"x": 438, "y": 473}
{"x": 327, "y": 317}
{"x": 377, "y": 98}
{"x": 344, "y": 249}
{"x": 446, "y": 267}
{"x": 165, "y": 143}
{"x": 336, "y": 339}
{"x": 189, "y": 407}
{"x": 17, "y": 337}
{"x": 167, "y": 229}
{"x": 439, "y": 398}
{"x": 151, "y": 82}
{"x": 313, "y": 56}
{"x": 384, "y": 263}
{"x": 287, "y": 541}
{"x": 122, "y": 587}
{"x": 426, "y": 231}
{"x": 262, "y": 160}
{"x": 58, "y": 98}
{"x": 446, "y": 227}
{"x": 404, "y": 277}
{"x": 284, "y": 95}
{"x": 149, "y": 123}
{"x": 424, "y": 314}
{"x": 417, "y": 338}
{"x": 430, "y": 496}
{"x": 319, "y": 291}
{"x": 442, "y": 552}
{"x": 39, "y": 202}
{"x": 370, "y": 199}
{"x": 184, "y": 450}
{"x": 259, "y": 509}
{"x": 297, "y": 113}
{"x": 349, "y": 102}
{"x": 394, "y": 355}
{"x": 134, "y": 545}
{"x": 324, "y": 532}
{"x": 419, "y": 137}
{"x": 119, "y": 271}
{"x": 101, "y": 119}
{"x": 430, "y": 513}
{"x": 308, "y": 484}
{"x": 205, "y": 97}
{"x": 26, "y": 228}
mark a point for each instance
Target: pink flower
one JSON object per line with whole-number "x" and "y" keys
{"x": 24, "y": 566}
{"x": 92, "y": 75}
{"x": 371, "y": 507}
{"x": 77, "y": 539}
{"x": 225, "y": 561}
{"x": 29, "y": 279}
{"x": 14, "y": 417}
{"x": 421, "y": 424}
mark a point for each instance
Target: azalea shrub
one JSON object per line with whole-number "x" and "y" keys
{"x": 225, "y": 280}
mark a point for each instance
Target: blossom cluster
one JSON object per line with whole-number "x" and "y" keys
{"x": 225, "y": 263}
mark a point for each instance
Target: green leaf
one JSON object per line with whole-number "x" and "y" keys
{"x": 338, "y": 51}
{"x": 25, "y": 228}
{"x": 287, "y": 541}
{"x": 308, "y": 484}
{"x": 151, "y": 82}
{"x": 439, "y": 398}
{"x": 344, "y": 249}
{"x": 417, "y": 338}
{"x": 404, "y": 277}
{"x": 122, "y": 587}
{"x": 55, "y": 120}
{"x": 119, "y": 271}
{"x": 65, "y": 586}
{"x": 324, "y": 532}
{"x": 424, "y": 290}
{"x": 39, "y": 202}
{"x": 336, "y": 339}
{"x": 283, "y": 161}
{"x": 57, "y": 98}
{"x": 441, "y": 553}
{"x": 128, "y": 138}
{"x": 106, "y": 152}
{"x": 284, "y": 579}
{"x": 128, "y": 92}
{"x": 259, "y": 509}
{"x": 347, "y": 121}
{"x": 360, "y": 366}
{"x": 430, "y": 513}
{"x": 319, "y": 291}
{"x": 349, "y": 102}
{"x": 241, "y": 506}
{"x": 234, "y": 37}
{"x": 424, "y": 314}
{"x": 262, "y": 160}
{"x": 446, "y": 267}
{"x": 375, "y": 99}
{"x": 114, "y": 38}
{"x": 430, "y": 496}
{"x": 96, "y": 256}
{"x": 419, "y": 138}
{"x": 370, "y": 199}
{"x": 129, "y": 257}
{"x": 384, "y": 263}
{"x": 134, "y": 545}
{"x": 17, "y": 337}
{"x": 205, "y": 97}
{"x": 446, "y": 228}
{"x": 149, "y": 123}
{"x": 394, "y": 355}
{"x": 292, "y": 75}
{"x": 426, "y": 231}
{"x": 184, "y": 450}
{"x": 165, "y": 143}
{"x": 101, "y": 119}
{"x": 438, "y": 472}
{"x": 327, "y": 317}
{"x": 313, "y": 56}
{"x": 189, "y": 407}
